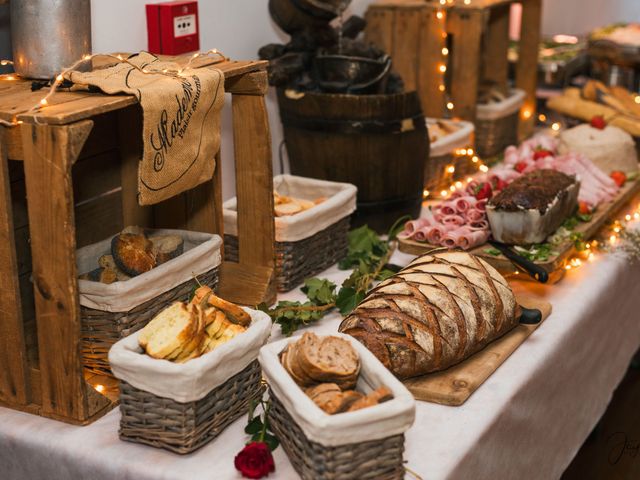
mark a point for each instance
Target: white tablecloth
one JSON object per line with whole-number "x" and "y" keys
{"x": 527, "y": 421}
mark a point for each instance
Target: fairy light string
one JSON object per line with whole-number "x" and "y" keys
{"x": 59, "y": 79}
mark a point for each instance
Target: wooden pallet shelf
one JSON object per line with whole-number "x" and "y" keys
{"x": 478, "y": 35}
{"x": 68, "y": 178}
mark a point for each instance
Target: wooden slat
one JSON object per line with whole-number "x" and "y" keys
{"x": 130, "y": 139}
{"x": 200, "y": 204}
{"x": 466, "y": 28}
{"x": 495, "y": 64}
{"x": 246, "y": 284}
{"x": 49, "y": 154}
{"x": 379, "y": 29}
{"x": 405, "y": 47}
{"x": 254, "y": 180}
{"x": 67, "y": 107}
{"x": 429, "y": 78}
{"x": 14, "y": 386}
{"x": 249, "y": 84}
{"x": 13, "y": 142}
{"x": 99, "y": 219}
{"x": 95, "y": 176}
{"x": 526, "y": 68}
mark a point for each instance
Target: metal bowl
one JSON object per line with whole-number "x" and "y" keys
{"x": 350, "y": 74}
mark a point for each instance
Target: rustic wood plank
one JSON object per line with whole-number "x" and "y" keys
{"x": 380, "y": 29}
{"x": 200, "y": 205}
{"x": 429, "y": 77}
{"x": 99, "y": 218}
{"x": 254, "y": 180}
{"x": 14, "y": 385}
{"x": 96, "y": 176}
{"x": 13, "y": 142}
{"x": 466, "y": 28}
{"x": 130, "y": 140}
{"x": 255, "y": 83}
{"x": 526, "y": 68}
{"x": 49, "y": 154}
{"x": 68, "y": 107}
{"x": 495, "y": 64}
{"x": 456, "y": 384}
{"x": 246, "y": 284}
{"x": 406, "y": 45}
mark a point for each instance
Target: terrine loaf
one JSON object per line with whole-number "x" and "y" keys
{"x": 532, "y": 207}
{"x": 434, "y": 313}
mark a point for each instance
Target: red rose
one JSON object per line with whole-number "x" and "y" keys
{"x": 255, "y": 460}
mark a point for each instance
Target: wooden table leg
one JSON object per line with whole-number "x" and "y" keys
{"x": 49, "y": 155}
{"x": 254, "y": 189}
{"x": 14, "y": 385}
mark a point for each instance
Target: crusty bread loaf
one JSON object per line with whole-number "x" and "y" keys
{"x": 434, "y": 313}
{"x": 133, "y": 253}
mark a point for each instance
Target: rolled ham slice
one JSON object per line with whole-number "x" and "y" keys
{"x": 464, "y": 203}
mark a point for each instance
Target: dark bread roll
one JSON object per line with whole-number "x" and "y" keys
{"x": 133, "y": 253}
{"x": 434, "y": 313}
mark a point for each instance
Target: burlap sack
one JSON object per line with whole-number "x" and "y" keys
{"x": 181, "y": 121}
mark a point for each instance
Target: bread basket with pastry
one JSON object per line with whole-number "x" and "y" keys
{"x": 190, "y": 372}
{"x": 497, "y": 119}
{"x": 139, "y": 273}
{"x": 312, "y": 222}
{"x": 337, "y": 411}
{"x": 448, "y": 138}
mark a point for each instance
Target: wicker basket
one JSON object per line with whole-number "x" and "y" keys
{"x": 105, "y": 320}
{"x": 296, "y": 261}
{"x": 100, "y": 330}
{"x": 360, "y": 445}
{"x": 497, "y": 125}
{"x": 306, "y": 243}
{"x": 185, "y": 427}
{"x": 375, "y": 460}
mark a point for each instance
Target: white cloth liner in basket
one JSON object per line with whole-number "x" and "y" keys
{"x": 201, "y": 254}
{"x": 461, "y": 138}
{"x": 192, "y": 380}
{"x": 341, "y": 202}
{"x": 508, "y": 106}
{"x": 390, "y": 418}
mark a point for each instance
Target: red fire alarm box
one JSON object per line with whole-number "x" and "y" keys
{"x": 173, "y": 27}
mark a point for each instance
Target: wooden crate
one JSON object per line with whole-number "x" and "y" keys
{"x": 70, "y": 179}
{"x": 477, "y": 40}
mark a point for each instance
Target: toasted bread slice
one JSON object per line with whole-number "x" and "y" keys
{"x": 379, "y": 395}
{"x": 167, "y": 247}
{"x": 169, "y": 330}
{"x": 235, "y": 313}
{"x": 328, "y": 359}
{"x": 286, "y": 209}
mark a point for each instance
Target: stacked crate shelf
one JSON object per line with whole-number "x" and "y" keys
{"x": 68, "y": 178}
{"x": 478, "y": 42}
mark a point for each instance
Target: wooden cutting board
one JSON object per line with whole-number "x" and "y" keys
{"x": 556, "y": 263}
{"x": 455, "y": 385}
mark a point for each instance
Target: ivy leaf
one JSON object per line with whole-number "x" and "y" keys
{"x": 348, "y": 299}
{"x": 584, "y": 217}
{"x": 254, "y": 426}
{"x": 384, "y": 274}
{"x": 319, "y": 291}
{"x": 492, "y": 251}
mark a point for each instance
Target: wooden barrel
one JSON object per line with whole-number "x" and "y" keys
{"x": 294, "y": 15}
{"x": 377, "y": 142}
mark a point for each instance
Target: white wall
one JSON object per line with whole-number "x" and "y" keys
{"x": 581, "y": 16}
{"x": 236, "y": 27}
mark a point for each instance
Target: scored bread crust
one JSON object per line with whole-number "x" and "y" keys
{"x": 434, "y": 313}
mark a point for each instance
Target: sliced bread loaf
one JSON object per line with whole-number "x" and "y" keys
{"x": 169, "y": 330}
